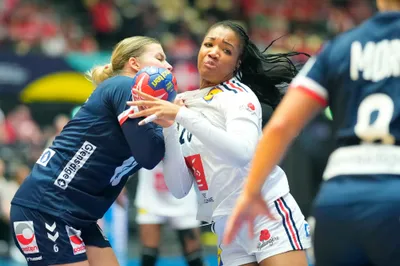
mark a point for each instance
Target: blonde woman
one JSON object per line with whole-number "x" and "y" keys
{"x": 76, "y": 179}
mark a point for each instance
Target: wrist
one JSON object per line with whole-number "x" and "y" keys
{"x": 181, "y": 114}
{"x": 250, "y": 191}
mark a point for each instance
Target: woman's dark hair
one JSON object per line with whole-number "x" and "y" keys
{"x": 266, "y": 74}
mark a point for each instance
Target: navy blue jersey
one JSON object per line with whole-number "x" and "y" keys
{"x": 80, "y": 175}
{"x": 358, "y": 74}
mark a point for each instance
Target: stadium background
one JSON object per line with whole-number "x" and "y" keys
{"x": 46, "y": 45}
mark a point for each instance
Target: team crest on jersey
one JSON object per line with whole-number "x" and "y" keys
{"x": 45, "y": 157}
{"x": 266, "y": 239}
{"x": 211, "y": 93}
{"x": 307, "y": 229}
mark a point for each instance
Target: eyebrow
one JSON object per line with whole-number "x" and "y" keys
{"x": 162, "y": 55}
{"x": 228, "y": 43}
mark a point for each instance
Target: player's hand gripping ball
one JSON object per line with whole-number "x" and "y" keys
{"x": 156, "y": 81}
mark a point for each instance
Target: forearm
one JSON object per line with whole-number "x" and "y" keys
{"x": 176, "y": 174}
{"x": 235, "y": 145}
{"x": 146, "y": 142}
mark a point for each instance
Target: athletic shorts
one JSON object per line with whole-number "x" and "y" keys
{"x": 271, "y": 237}
{"x": 46, "y": 240}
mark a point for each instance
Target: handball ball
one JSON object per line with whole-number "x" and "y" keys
{"x": 157, "y": 82}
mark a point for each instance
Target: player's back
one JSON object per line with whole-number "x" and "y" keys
{"x": 356, "y": 209}
{"x": 363, "y": 92}
{"x": 358, "y": 73}
{"x": 79, "y": 176}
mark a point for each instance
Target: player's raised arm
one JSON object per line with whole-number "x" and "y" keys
{"x": 236, "y": 144}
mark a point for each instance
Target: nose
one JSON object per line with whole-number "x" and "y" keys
{"x": 213, "y": 53}
{"x": 168, "y": 66}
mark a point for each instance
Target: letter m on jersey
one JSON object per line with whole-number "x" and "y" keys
{"x": 195, "y": 165}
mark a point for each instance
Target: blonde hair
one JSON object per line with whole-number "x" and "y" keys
{"x": 125, "y": 49}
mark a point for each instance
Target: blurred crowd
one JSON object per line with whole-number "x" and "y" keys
{"x": 57, "y": 27}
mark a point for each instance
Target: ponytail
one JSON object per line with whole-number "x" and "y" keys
{"x": 98, "y": 74}
{"x": 266, "y": 74}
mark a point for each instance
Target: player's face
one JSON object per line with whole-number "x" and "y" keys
{"x": 218, "y": 55}
{"x": 153, "y": 56}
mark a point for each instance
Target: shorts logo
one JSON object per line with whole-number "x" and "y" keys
{"x": 266, "y": 239}
{"x": 45, "y": 157}
{"x": 34, "y": 258}
{"x": 78, "y": 246}
{"x": 52, "y": 234}
{"x": 73, "y": 166}
{"x": 25, "y": 235}
{"x": 307, "y": 229}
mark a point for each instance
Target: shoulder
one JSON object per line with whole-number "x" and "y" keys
{"x": 117, "y": 83}
{"x": 116, "y": 87}
{"x": 236, "y": 92}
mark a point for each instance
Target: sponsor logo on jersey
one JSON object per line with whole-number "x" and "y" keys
{"x": 77, "y": 244}
{"x": 25, "y": 235}
{"x": 45, "y": 157}
{"x": 266, "y": 239}
{"x": 73, "y": 166}
{"x": 211, "y": 93}
{"x": 249, "y": 107}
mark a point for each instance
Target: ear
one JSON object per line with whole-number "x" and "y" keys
{"x": 133, "y": 62}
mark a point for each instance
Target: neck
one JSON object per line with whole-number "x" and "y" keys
{"x": 388, "y": 5}
{"x": 128, "y": 74}
{"x": 205, "y": 84}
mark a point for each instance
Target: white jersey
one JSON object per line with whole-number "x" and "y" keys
{"x": 218, "y": 133}
{"x": 153, "y": 196}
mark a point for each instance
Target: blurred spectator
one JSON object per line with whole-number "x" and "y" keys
{"x": 59, "y": 123}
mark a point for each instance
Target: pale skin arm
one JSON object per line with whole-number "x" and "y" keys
{"x": 294, "y": 112}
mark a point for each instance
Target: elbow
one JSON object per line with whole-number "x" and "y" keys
{"x": 149, "y": 165}
{"x": 281, "y": 127}
{"x": 178, "y": 194}
{"x": 149, "y": 160}
{"x": 179, "y": 188}
{"x": 152, "y": 161}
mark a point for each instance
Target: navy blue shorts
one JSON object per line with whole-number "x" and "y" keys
{"x": 358, "y": 222}
{"x": 46, "y": 240}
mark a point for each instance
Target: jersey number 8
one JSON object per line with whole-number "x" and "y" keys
{"x": 379, "y": 129}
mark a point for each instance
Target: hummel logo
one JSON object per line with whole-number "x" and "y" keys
{"x": 52, "y": 228}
